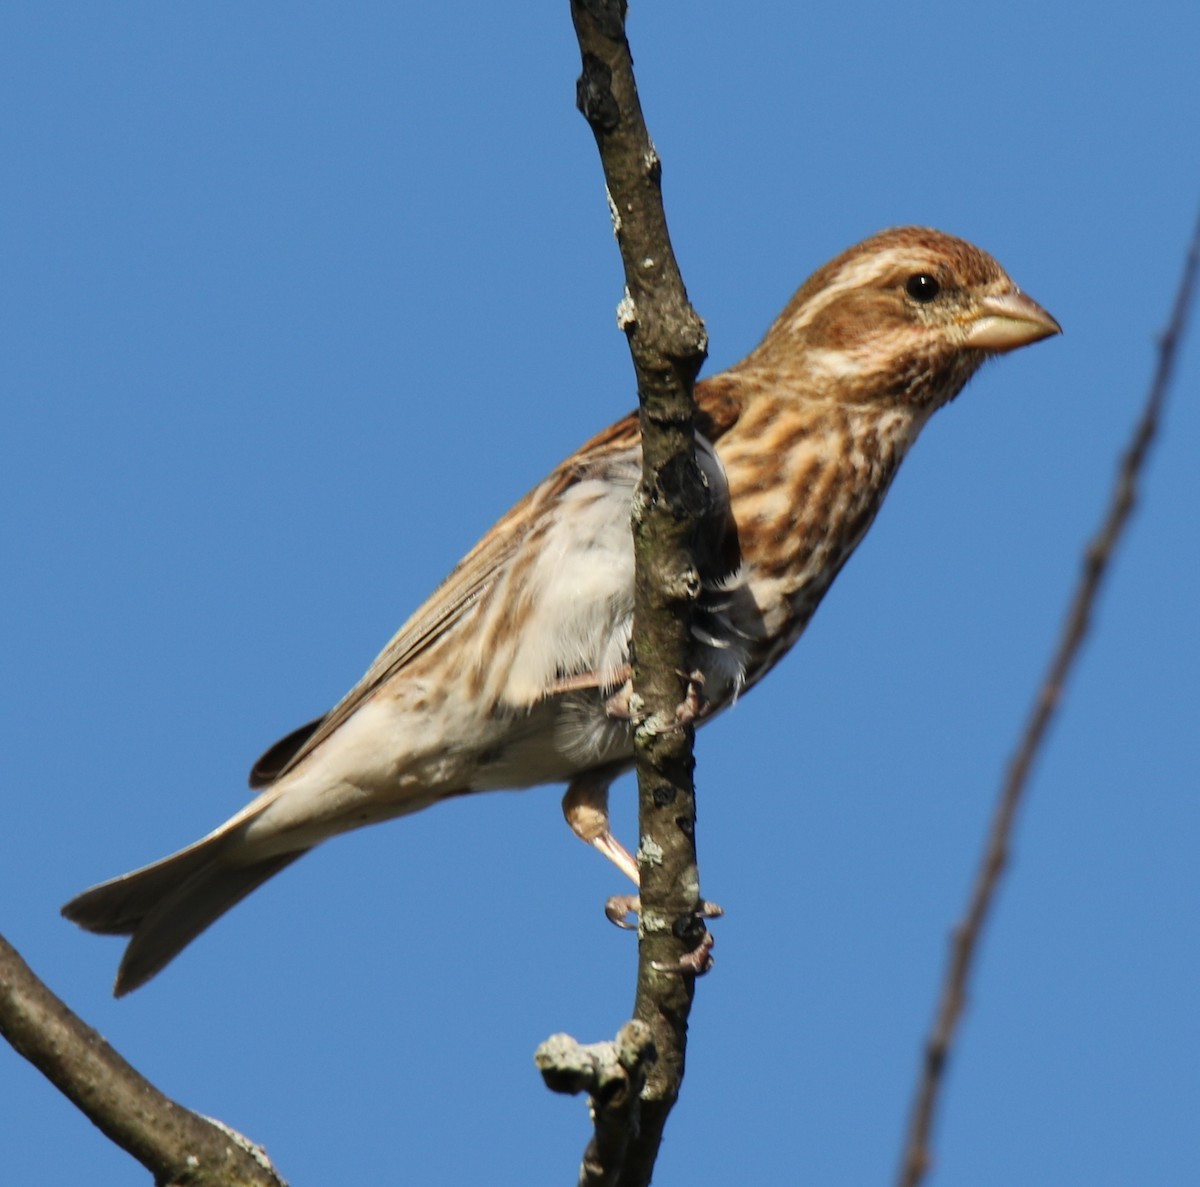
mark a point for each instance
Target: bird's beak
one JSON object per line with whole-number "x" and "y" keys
{"x": 1010, "y": 320}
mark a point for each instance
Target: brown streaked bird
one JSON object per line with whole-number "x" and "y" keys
{"x": 515, "y": 672}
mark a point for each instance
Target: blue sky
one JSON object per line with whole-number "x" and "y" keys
{"x": 298, "y": 299}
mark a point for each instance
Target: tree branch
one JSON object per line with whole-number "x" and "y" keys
{"x": 1097, "y": 559}
{"x": 668, "y": 343}
{"x": 176, "y": 1145}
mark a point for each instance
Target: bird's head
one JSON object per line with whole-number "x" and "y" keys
{"x": 905, "y": 317}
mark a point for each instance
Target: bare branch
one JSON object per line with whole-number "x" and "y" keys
{"x": 668, "y": 343}
{"x": 176, "y": 1145}
{"x": 1097, "y": 558}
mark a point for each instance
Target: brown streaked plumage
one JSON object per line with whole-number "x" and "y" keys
{"x": 515, "y": 672}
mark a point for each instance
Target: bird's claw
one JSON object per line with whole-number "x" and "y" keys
{"x": 692, "y": 964}
{"x": 693, "y": 705}
{"x": 690, "y": 710}
{"x": 620, "y": 907}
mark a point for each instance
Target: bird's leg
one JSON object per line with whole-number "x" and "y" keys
{"x": 585, "y": 681}
{"x": 585, "y": 806}
{"x": 619, "y": 704}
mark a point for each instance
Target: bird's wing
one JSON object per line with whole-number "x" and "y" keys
{"x": 719, "y": 402}
{"x": 469, "y": 581}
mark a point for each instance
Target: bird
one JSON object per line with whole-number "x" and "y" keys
{"x": 516, "y": 671}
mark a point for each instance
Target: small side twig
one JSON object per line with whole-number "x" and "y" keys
{"x": 613, "y": 1075}
{"x": 176, "y": 1145}
{"x": 917, "y": 1154}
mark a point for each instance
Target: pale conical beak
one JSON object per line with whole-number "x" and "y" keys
{"x": 1008, "y": 321}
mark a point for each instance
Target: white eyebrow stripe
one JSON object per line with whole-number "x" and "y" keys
{"x": 853, "y": 274}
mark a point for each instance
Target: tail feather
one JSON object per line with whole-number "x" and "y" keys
{"x": 163, "y": 907}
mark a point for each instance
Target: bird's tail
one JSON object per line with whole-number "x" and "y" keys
{"x": 163, "y": 907}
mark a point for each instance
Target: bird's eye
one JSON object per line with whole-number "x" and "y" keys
{"x": 922, "y": 287}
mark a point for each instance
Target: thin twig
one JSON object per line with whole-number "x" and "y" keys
{"x": 667, "y": 341}
{"x": 176, "y": 1145}
{"x": 1097, "y": 558}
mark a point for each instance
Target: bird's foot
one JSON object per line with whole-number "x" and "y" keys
{"x": 621, "y": 907}
{"x": 692, "y": 964}
{"x": 690, "y": 710}
{"x": 693, "y": 705}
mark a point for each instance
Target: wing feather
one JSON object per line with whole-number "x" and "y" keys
{"x": 720, "y": 404}
{"x": 468, "y": 582}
